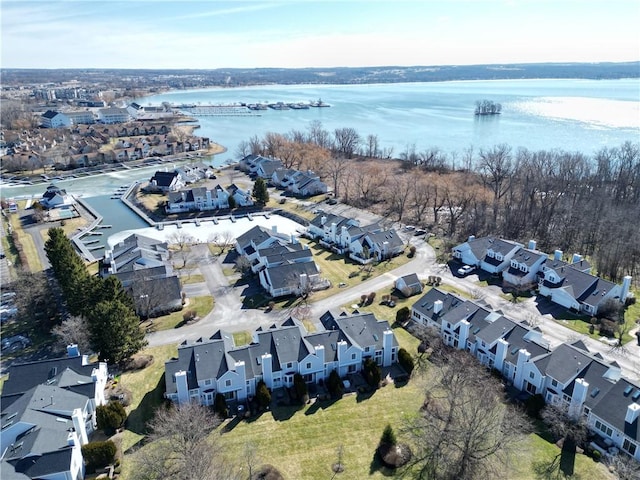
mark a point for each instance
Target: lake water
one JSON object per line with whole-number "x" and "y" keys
{"x": 573, "y": 115}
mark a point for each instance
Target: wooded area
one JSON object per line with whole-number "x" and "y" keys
{"x": 588, "y": 204}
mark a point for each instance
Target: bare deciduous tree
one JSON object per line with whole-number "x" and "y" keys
{"x": 182, "y": 447}
{"x": 73, "y": 330}
{"x": 182, "y": 242}
{"x": 464, "y": 429}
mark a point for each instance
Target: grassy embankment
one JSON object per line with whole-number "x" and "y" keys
{"x": 302, "y": 441}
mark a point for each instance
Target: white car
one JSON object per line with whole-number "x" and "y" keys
{"x": 465, "y": 270}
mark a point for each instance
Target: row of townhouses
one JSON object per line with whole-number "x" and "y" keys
{"x": 570, "y": 375}
{"x": 107, "y": 115}
{"x": 143, "y": 266}
{"x": 47, "y": 414}
{"x": 284, "y": 266}
{"x": 566, "y": 283}
{"x": 84, "y": 144}
{"x": 201, "y": 199}
{"x": 296, "y": 182}
{"x": 345, "y": 236}
{"x": 215, "y": 365}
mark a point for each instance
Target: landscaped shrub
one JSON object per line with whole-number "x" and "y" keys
{"x": 534, "y": 405}
{"x": 405, "y": 360}
{"x": 300, "y": 387}
{"x": 388, "y": 436}
{"x": 371, "y": 372}
{"x": 403, "y": 315}
{"x": 596, "y": 455}
{"x": 263, "y": 396}
{"x": 110, "y": 417}
{"x": 220, "y": 406}
{"x": 334, "y": 384}
{"x": 98, "y": 454}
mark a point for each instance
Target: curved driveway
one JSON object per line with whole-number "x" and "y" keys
{"x": 228, "y": 313}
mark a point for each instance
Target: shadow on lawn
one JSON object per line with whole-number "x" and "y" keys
{"x": 376, "y": 465}
{"x": 137, "y": 419}
{"x": 320, "y": 404}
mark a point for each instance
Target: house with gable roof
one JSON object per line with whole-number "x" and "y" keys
{"x": 381, "y": 245}
{"x": 409, "y": 285}
{"x": 55, "y": 197}
{"x": 570, "y": 375}
{"x": 47, "y": 414}
{"x": 429, "y": 309}
{"x": 243, "y": 198}
{"x": 281, "y": 254}
{"x": 258, "y": 238}
{"x": 328, "y": 229}
{"x": 493, "y": 255}
{"x": 53, "y": 119}
{"x": 215, "y": 365}
{"x": 524, "y": 266}
{"x": 142, "y": 265}
{"x": 166, "y": 181}
{"x": 572, "y": 286}
{"x": 291, "y": 278}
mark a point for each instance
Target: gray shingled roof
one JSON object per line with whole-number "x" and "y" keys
{"x": 49, "y": 408}
{"x": 527, "y": 257}
{"x": 424, "y": 305}
{"x": 288, "y": 275}
{"x": 613, "y": 404}
{"x": 23, "y": 377}
{"x": 39, "y": 466}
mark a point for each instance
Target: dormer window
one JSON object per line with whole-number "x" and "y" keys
{"x": 499, "y": 256}
{"x": 490, "y": 253}
{"x": 514, "y": 264}
{"x": 523, "y": 268}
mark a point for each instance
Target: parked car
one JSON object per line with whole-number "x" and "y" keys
{"x": 7, "y": 313}
{"x": 419, "y": 232}
{"x": 15, "y": 343}
{"x": 409, "y": 228}
{"x": 332, "y": 201}
{"x": 465, "y": 270}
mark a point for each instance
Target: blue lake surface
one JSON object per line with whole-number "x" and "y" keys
{"x": 573, "y": 115}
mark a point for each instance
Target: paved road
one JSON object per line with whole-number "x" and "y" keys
{"x": 228, "y": 313}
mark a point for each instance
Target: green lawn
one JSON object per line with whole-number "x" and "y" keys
{"x": 192, "y": 278}
{"x": 337, "y": 268}
{"x": 383, "y": 312}
{"x": 28, "y": 245}
{"x": 147, "y": 389}
{"x": 202, "y": 306}
{"x": 536, "y": 454}
{"x": 302, "y": 441}
{"x": 242, "y": 338}
{"x": 580, "y": 323}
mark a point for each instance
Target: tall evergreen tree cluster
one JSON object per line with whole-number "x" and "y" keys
{"x": 114, "y": 327}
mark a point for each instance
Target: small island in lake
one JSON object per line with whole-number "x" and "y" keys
{"x": 487, "y": 107}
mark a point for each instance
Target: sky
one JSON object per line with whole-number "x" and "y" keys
{"x": 189, "y": 34}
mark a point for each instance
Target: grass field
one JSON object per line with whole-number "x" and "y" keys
{"x": 147, "y": 388}
{"x": 191, "y": 278}
{"x": 302, "y": 441}
{"x": 28, "y": 246}
{"x": 202, "y": 306}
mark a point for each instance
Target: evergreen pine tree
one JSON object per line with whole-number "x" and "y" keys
{"x": 260, "y": 192}
{"x": 115, "y": 331}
